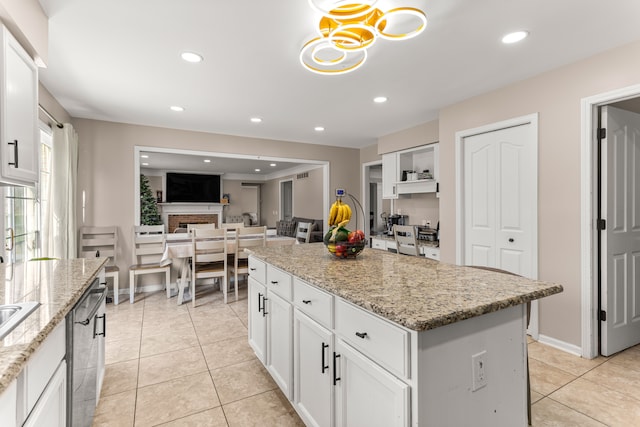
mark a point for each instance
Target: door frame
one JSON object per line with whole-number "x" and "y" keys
{"x": 588, "y": 212}
{"x": 365, "y": 193}
{"x": 280, "y": 182}
{"x": 531, "y": 119}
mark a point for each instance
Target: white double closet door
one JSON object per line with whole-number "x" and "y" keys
{"x": 500, "y": 199}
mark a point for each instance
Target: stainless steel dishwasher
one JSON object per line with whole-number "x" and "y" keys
{"x": 86, "y": 326}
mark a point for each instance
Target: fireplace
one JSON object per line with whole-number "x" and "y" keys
{"x": 175, "y": 215}
{"x": 181, "y": 220}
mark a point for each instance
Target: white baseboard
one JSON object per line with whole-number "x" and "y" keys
{"x": 560, "y": 345}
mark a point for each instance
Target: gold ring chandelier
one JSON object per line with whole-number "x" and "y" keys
{"x": 347, "y": 29}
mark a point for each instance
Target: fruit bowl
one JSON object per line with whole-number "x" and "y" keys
{"x": 345, "y": 249}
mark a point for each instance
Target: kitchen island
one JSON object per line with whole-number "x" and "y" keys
{"x": 57, "y": 285}
{"x": 387, "y": 339}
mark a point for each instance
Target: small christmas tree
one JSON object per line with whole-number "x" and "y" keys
{"x": 148, "y": 206}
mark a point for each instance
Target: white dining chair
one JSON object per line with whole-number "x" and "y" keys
{"x": 206, "y": 226}
{"x": 303, "y": 232}
{"x": 102, "y": 242}
{"x": 208, "y": 261}
{"x": 148, "y": 245}
{"x": 246, "y": 237}
{"x": 406, "y": 240}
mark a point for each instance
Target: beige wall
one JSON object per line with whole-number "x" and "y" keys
{"x": 419, "y": 207}
{"x": 106, "y": 166}
{"x": 307, "y": 197}
{"x": 426, "y": 133}
{"x": 52, "y": 106}
{"x": 555, "y": 96}
{"x": 28, "y": 23}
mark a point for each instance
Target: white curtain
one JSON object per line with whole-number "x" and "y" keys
{"x": 60, "y": 219}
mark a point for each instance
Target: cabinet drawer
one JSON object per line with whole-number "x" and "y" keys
{"x": 432, "y": 253}
{"x": 378, "y": 244}
{"x": 380, "y": 340}
{"x": 314, "y": 302}
{"x": 257, "y": 270}
{"x": 43, "y": 364}
{"x": 279, "y": 282}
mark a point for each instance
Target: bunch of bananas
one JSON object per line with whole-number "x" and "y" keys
{"x": 339, "y": 212}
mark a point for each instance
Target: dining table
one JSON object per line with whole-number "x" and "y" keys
{"x": 178, "y": 248}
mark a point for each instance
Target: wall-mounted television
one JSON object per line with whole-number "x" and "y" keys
{"x": 192, "y": 188}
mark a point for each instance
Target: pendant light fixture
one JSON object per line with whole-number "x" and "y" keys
{"x": 348, "y": 28}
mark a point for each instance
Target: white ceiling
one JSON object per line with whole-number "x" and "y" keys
{"x": 119, "y": 60}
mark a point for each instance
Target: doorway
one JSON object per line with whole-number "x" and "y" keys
{"x": 372, "y": 202}
{"x": 590, "y": 234}
{"x": 497, "y": 199}
{"x": 286, "y": 200}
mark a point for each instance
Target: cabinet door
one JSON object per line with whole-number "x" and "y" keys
{"x": 313, "y": 349}
{"x": 389, "y": 175}
{"x": 366, "y": 394}
{"x": 8, "y": 405}
{"x": 51, "y": 409}
{"x": 279, "y": 341}
{"x": 19, "y": 113}
{"x": 257, "y": 319}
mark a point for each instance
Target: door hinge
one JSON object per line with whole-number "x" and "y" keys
{"x": 602, "y": 133}
{"x": 602, "y": 224}
{"x": 603, "y": 316}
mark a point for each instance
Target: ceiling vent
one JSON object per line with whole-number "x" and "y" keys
{"x": 302, "y": 175}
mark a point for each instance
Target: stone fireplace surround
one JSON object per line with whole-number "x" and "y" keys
{"x": 173, "y": 214}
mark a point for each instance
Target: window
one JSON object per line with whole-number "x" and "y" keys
{"x": 23, "y": 208}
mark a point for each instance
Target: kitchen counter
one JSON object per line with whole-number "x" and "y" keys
{"x": 415, "y": 292}
{"x": 57, "y": 285}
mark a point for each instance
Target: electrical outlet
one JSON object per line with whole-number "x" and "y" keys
{"x": 479, "y": 370}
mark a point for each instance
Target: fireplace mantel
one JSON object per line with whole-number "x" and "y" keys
{"x": 190, "y": 208}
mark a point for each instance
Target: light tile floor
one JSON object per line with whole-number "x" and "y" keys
{"x": 179, "y": 366}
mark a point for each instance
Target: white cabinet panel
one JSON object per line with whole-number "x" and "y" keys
{"x": 257, "y": 319}
{"x": 51, "y": 409}
{"x": 313, "y": 353}
{"x": 367, "y": 395}
{"x": 18, "y": 114}
{"x": 314, "y": 302}
{"x": 389, "y": 176}
{"x": 8, "y": 405}
{"x": 280, "y": 341}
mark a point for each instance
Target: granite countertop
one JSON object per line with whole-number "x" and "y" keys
{"x": 415, "y": 292}
{"x": 57, "y": 285}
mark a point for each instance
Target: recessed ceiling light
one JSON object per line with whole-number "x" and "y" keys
{"x": 514, "y": 37}
{"x": 145, "y": 164}
{"x": 256, "y": 120}
{"x": 144, "y": 156}
{"x": 207, "y": 160}
{"x": 318, "y": 128}
{"x": 380, "y": 99}
{"x": 273, "y": 165}
{"x": 257, "y": 170}
{"x": 176, "y": 108}
{"x": 191, "y": 57}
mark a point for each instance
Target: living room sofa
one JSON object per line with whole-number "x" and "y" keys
{"x": 288, "y": 228}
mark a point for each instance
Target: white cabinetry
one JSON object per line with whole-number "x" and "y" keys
{"x": 8, "y": 405}
{"x": 313, "y": 352}
{"x": 389, "y": 175}
{"x": 50, "y": 410}
{"x": 271, "y": 322}
{"x": 366, "y": 394}
{"x": 42, "y": 384}
{"x": 18, "y": 114}
{"x": 257, "y": 318}
{"x": 423, "y": 161}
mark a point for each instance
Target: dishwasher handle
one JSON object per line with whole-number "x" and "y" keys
{"x": 94, "y": 309}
